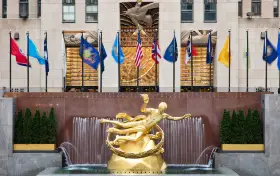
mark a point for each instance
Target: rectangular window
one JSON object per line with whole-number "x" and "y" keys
{"x": 23, "y": 8}
{"x": 186, "y": 11}
{"x": 240, "y": 8}
{"x": 91, "y": 11}
{"x": 210, "y": 10}
{"x": 39, "y": 8}
{"x": 256, "y": 7}
{"x": 276, "y": 8}
{"x": 68, "y": 10}
{"x": 4, "y": 8}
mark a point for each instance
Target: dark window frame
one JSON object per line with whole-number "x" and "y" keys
{"x": 206, "y": 11}
{"x": 21, "y": 4}
{"x": 39, "y": 8}
{"x": 4, "y": 8}
{"x": 186, "y": 11}
{"x": 68, "y": 3}
{"x": 276, "y": 9}
{"x": 91, "y": 3}
{"x": 240, "y": 8}
{"x": 259, "y": 4}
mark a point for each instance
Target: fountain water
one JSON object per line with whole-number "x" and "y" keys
{"x": 88, "y": 137}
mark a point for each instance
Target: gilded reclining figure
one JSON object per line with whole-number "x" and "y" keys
{"x": 141, "y": 125}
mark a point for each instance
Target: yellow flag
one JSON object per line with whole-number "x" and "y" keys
{"x": 224, "y": 54}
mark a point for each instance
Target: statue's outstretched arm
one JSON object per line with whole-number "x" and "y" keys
{"x": 144, "y": 108}
{"x": 167, "y": 116}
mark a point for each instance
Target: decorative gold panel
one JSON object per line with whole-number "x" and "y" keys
{"x": 201, "y": 70}
{"x": 74, "y": 70}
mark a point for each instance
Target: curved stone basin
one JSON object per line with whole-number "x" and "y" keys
{"x": 171, "y": 170}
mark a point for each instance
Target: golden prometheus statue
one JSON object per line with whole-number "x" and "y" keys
{"x": 137, "y": 151}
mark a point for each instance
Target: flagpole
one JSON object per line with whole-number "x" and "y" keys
{"x": 265, "y": 60}
{"x": 156, "y": 47}
{"x": 10, "y": 61}
{"x": 82, "y": 61}
{"x": 46, "y": 65}
{"x": 174, "y": 63}
{"x": 64, "y": 71}
{"x": 27, "y": 33}
{"x": 191, "y": 62}
{"x": 247, "y": 60}
{"x": 210, "y": 75}
{"x": 229, "y": 62}
{"x": 279, "y": 71}
{"x": 101, "y": 59}
{"x": 119, "y": 65}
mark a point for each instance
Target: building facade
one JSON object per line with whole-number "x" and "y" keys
{"x": 67, "y": 18}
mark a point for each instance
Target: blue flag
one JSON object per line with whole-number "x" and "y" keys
{"x": 33, "y": 52}
{"x": 89, "y": 54}
{"x": 46, "y": 56}
{"x": 103, "y": 56}
{"x": 115, "y": 48}
{"x": 171, "y": 53}
{"x": 209, "y": 50}
{"x": 278, "y": 51}
{"x": 269, "y": 51}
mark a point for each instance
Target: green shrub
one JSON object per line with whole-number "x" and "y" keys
{"x": 241, "y": 127}
{"x": 52, "y": 127}
{"x": 19, "y": 129}
{"x": 257, "y": 128}
{"x": 27, "y": 122}
{"x": 249, "y": 133}
{"x": 36, "y": 128}
{"x": 44, "y": 129}
{"x": 225, "y": 128}
{"x": 234, "y": 128}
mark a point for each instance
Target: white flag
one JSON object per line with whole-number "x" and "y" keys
{"x": 188, "y": 51}
{"x": 63, "y": 55}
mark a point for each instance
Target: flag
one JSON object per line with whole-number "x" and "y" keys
{"x": 63, "y": 55}
{"x": 18, "y": 53}
{"x": 139, "y": 52}
{"x": 171, "y": 52}
{"x": 89, "y": 54}
{"x": 209, "y": 56}
{"x": 269, "y": 51}
{"x": 117, "y": 48}
{"x": 46, "y": 55}
{"x": 103, "y": 56}
{"x": 245, "y": 55}
{"x": 156, "y": 51}
{"x": 190, "y": 50}
{"x": 33, "y": 52}
{"x": 278, "y": 51}
{"x": 224, "y": 54}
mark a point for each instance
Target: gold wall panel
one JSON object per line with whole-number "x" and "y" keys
{"x": 201, "y": 70}
{"x": 129, "y": 70}
{"x": 74, "y": 70}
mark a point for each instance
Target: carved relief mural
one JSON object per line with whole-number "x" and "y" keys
{"x": 145, "y": 15}
{"x": 201, "y": 70}
{"x": 74, "y": 61}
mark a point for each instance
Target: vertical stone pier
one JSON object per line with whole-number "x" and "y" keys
{"x": 7, "y": 112}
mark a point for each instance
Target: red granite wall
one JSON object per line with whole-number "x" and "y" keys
{"x": 208, "y": 105}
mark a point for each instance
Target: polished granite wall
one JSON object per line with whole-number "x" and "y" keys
{"x": 19, "y": 164}
{"x": 259, "y": 164}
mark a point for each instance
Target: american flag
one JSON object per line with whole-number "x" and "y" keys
{"x": 156, "y": 51}
{"x": 139, "y": 52}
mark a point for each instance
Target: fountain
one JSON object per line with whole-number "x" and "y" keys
{"x": 139, "y": 145}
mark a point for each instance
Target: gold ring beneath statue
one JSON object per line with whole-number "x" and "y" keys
{"x": 157, "y": 149}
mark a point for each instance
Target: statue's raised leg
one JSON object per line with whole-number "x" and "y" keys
{"x": 122, "y": 139}
{"x": 121, "y": 124}
{"x": 126, "y": 131}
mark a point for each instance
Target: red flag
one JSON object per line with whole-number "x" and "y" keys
{"x": 17, "y": 52}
